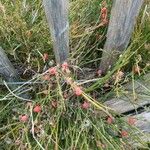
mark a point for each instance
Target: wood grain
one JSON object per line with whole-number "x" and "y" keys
{"x": 123, "y": 18}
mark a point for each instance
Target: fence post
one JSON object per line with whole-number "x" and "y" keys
{"x": 121, "y": 25}
{"x": 57, "y": 16}
{"x": 9, "y": 73}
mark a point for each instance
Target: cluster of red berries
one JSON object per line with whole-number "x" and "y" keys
{"x": 77, "y": 89}
{"x": 53, "y": 70}
{"x": 36, "y": 109}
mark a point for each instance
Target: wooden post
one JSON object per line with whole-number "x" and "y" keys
{"x": 57, "y": 16}
{"x": 6, "y": 68}
{"x": 9, "y": 73}
{"x": 121, "y": 25}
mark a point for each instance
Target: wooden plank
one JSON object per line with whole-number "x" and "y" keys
{"x": 126, "y": 103}
{"x": 121, "y": 25}
{"x": 143, "y": 124}
{"x": 136, "y": 95}
{"x": 57, "y": 16}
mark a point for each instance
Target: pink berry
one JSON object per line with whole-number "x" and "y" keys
{"x": 52, "y": 71}
{"x": 37, "y": 109}
{"x": 65, "y": 65}
{"x": 132, "y": 121}
{"x": 23, "y": 118}
{"x": 78, "y": 91}
{"x": 85, "y": 105}
{"x": 124, "y": 133}
{"x": 104, "y": 10}
{"x": 109, "y": 120}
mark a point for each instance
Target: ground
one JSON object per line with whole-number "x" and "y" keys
{"x": 67, "y": 111}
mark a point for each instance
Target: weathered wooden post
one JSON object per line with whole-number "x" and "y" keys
{"x": 57, "y": 16}
{"x": 121, "y": 25}
{"x": 9, "y": 73}
{"x": 6, "y": 68}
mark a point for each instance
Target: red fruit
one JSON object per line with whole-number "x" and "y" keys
{"x": 65, "y": 65}
{"x": 78, "y": 91}
{"x": 104, "y": 16}
{"x": 109, "y": 120}
{"x": 52, "y": 71}
{"x": 124, "y": 133}
{"x": 104, "y": 13}
{"x": 132, "y": 121}
{"x": 23, "y": 118}
{"x": 104, "y": 10}
{"x": 85, "y": 105}
{"x": 45, "y": 57}
{"x": 37, "y": 109}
